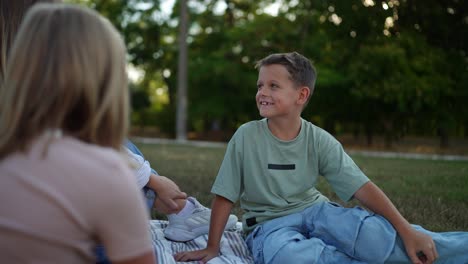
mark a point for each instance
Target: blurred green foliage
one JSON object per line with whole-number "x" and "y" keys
{"x": 392, "y": 68}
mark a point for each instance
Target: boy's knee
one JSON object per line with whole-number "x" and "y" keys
{"x": 296, "y": 251}
{"x": 375, "y": 240}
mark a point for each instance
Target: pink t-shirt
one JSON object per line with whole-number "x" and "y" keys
{"x": 55, "y": 208}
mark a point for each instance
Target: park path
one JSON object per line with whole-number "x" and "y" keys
{"x": 383, "y": 154}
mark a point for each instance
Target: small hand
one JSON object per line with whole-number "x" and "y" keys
{"x": 167, "y": 194}
{"x": 420, "y": 247}
{"x": 203, "y": 255}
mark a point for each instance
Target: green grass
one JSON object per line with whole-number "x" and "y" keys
{"x": 430, "y": 193}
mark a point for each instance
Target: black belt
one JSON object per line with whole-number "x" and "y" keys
{"x": 251, "y": 221}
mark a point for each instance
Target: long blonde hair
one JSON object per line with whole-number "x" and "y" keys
{"x": 66, "y": 71}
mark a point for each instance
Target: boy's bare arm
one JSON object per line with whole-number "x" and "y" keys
{"x": 220, "y": 211}
{"x": 415, "y": 242}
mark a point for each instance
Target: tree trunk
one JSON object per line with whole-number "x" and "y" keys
{"x": 388, "y": 133}
{"x": 181, "y": 114}
{"x": 443, "y": 137}
{"x": 369, "y": 135}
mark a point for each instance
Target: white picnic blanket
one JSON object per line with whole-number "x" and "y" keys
{"x": 233, "y": 248}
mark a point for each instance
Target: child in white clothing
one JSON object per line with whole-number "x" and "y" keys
{"x": 187, "y": 218}
{"x": 190, "y": 219}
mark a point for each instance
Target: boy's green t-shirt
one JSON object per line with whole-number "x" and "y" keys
{"x": 273, "y": 178}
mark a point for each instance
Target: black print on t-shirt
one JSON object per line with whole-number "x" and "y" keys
{"x": 281, "y": 166}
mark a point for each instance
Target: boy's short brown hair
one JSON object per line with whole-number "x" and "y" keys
{"x": 299, "y": 67}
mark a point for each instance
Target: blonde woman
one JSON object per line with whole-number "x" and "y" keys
{"x": 160, "y": 192}
{"x": 64, "y": 186}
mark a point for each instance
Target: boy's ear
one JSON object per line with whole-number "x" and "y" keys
{"x": 304, "y": 93}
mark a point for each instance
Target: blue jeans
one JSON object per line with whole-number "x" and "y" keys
{"x": 150, "y": 197}
{"x": 329, "y": 233}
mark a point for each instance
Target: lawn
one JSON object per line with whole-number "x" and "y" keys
{"x": 431, "y": 193}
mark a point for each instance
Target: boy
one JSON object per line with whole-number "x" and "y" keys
{"x": 272, "y": 166}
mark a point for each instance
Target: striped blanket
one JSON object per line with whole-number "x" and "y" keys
{"x": 233, "y": 248}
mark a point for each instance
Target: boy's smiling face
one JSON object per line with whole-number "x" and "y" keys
{"x": 277, "y": 95}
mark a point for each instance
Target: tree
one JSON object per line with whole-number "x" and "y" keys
{"x": 182, "y": 74}
{"x": 392, "y": 67}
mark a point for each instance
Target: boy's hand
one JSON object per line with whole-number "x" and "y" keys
{"x": 203, "y": 255}
{"x": 420, "y": 247}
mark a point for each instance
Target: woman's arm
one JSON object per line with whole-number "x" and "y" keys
{"x": 375, "y": 199}
{"x": 220, "y": 211}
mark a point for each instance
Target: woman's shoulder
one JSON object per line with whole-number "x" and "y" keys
{"x": 77, "y": 147}
{"x": 88, "y": 157}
